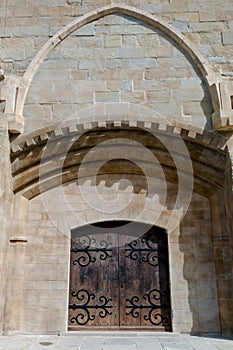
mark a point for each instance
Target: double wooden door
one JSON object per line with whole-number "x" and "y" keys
{"x": 119, "y": 282}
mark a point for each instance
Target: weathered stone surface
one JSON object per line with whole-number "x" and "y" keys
{"x": 105, "y": 68}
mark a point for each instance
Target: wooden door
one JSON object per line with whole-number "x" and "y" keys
{"x": 119, "y": 285}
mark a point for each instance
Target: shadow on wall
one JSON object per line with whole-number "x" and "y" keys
{"x": 195, "y": 243}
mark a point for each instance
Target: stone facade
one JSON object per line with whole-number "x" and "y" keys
{"x": 158, "y": 79}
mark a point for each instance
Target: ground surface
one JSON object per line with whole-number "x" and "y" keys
{"x": 133, "y": 341}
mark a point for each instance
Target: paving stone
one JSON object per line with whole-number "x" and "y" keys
{"x": 119, "y": 341}
{"x": 92, "y": 343}
{"x": 148, "y": 344}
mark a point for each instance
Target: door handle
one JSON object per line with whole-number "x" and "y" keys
{"x": 122, "y": 285}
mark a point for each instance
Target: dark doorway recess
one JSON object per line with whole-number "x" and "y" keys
{"x": 119, "y": 277}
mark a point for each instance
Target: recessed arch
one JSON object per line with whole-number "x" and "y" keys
{"x": 149, "y": 19}
{"x": 28, "y": 157}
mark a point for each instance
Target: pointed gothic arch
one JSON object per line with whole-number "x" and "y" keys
{"x": 80, "y": 22}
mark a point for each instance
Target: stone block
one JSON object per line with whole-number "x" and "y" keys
{"x": 159, "y": 96}
{"x": 153, "y": 8}
{"x": 23, "y": 31}
{"x": 130, "y": 74}
{"x": 113, "y": 41}
{"x": 107, "y": 96}
{"x": 217, "y": 60}
{"x": 227, "y": 38}
{"x": 160, "y": 51}
{"x": 42, "y": 109}
{"x": 129, "y": 29}
{"x": 117, "y": 63}
{"x": 212, "y": 15}
{"x": 133, "y": 97}
{"x": 113, "y": 85}
{"x": 155, "y": 73}
{"x": 131, "y": 40}
{"x": 188, "y": 95}
{"x": 176, "y": 7}
{"x": 171, "y": 62}
{"x": 141, "y": 85}
{"x": 130, "y": 52}
{"x": 92, "y": 64}
{"x": 190, "y": 83}
{"x": 206, "y": 26}
{"x": 79, "y": 74}
{"x": 143, "y": 63}
{"x": 87, "y": 30}
{"x": 91, "y": 41}
{"x": 59, "y": 65}
{"x": 187, "y": 16}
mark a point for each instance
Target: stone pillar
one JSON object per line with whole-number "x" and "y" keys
{"x": 6, "y": 198}
{"x": 16, "y": 257}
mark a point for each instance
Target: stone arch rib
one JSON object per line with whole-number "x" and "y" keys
{"x": 27, "y": 152}
{"x": 93, "y": 16}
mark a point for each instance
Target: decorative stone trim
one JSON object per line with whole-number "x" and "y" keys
{"x": 9, "y": 94}
{"x": 222, "y": 97}
{"x": 189, "y": 132}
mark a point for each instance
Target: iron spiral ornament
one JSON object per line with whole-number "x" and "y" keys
{"x": 154, "y": 306}
{"x": 85, "y": 308}
{"x": 86, "y": 251}
{"x": 145, "y": 250}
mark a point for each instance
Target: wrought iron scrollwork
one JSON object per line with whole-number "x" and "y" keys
{"x": 150, "y": 252}
{"x": 84, "y": 251}
{"x": 154, "y": 298}
{"x": 85, "y": 315}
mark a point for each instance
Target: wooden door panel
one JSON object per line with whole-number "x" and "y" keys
{"x": 118, "y": 285}
{"x": 94, "y": 291}
{"x": 144, "y": 301}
